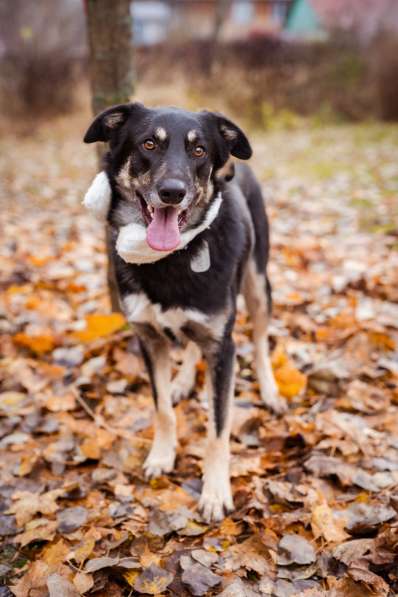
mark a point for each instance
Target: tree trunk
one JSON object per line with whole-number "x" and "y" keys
{"x": 109, "y": 29}
{"x": 221, "y": 10}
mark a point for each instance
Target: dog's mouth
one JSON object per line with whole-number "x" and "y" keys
{"x": 164, "y": 225}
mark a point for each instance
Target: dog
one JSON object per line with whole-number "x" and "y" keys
{"x": 188, "y": 235}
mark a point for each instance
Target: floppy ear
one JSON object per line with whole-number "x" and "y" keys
{"x": 234, "y": 138}
{"x": 109, "y": 121}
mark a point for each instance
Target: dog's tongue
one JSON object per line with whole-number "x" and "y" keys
{"x": 163, "y": 233}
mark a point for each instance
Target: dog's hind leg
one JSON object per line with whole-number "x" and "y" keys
{"x": 257, "y": 295}
{"x": 216, "y": 497}
{"x": 184, "y": 382}
{"x": 162, "y": 454}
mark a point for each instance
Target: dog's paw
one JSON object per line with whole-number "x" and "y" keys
{"x": 157, "y": 464}
{"x": 180, "y": 389}
{"x": 216, "y": 501}
{"x": 276, "y": 403}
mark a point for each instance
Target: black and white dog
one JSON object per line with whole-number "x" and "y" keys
{"x": 188, "y": 237}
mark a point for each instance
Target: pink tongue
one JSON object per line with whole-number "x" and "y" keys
{"x": 163, "y": 233}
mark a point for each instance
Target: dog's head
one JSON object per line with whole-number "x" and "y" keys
{"x": 164, "y": 163}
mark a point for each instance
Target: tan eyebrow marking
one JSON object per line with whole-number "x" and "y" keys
{"x": 192, "y": 135}
{"x": 161, "y": 133}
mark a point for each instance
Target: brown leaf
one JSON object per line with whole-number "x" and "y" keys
{"x": 83, "y": 582}
{"x": 58, "y": 586}
{"x": 364, "y": 518}
{"x": 295, "y": 549}
{"x": 28, "y": 504}
{"x": 199, "y": 579}
{"x": 71, "y": 519}
{"x": 348, "y": 474}
{"x": 153, "y": 580}
{"x": 39, "y": 529}
{"x": 325, "y": 524}
{"x": 33, "y": 583}
{"x": 372, "y": 581}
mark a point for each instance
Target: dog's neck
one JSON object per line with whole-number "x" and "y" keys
{"x": 133, "y": 248}
{"x": 131, "y": 242}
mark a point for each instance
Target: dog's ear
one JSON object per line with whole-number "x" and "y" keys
{"x": 109, "y": 121}
{"x": 233, "y": 138}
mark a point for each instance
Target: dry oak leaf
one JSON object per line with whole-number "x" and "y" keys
{"x": 98, "y": 326}
{"x": 348, "y": 474}
{"x": 364, "y": 518}
{"x": 351, "y": 551}
{"x": 295, "y": 549}
{"x": 83, "y": 582}
{"x": 28, "y": 504}
{"x": 250, "y": 554}
{"x": 240, "y": 589}
{"x": 372, "y": 581}
{"x": 54, "y": 555}
{"x": 198, "y": 578}
{"x": 71, "y": 519}
{"x": 107, "y": 562}
{"x": 81, "y": 553}
{"x": 153, "y": 580}
{"x": 39, "y": 529}
{"x": 325, "y": 524}
{"x": 59, "y": 586}
{"x": 33, "y": 583}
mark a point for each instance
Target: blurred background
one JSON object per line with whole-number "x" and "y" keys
{"x": 271, "y": 62}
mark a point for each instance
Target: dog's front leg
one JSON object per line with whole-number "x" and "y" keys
{"x": 162, "y": 454}
{"x": 216, "y": 498}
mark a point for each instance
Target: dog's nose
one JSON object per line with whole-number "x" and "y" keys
{"x": 172, "y": 191}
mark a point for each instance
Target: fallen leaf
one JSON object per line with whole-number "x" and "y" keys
{"x": 83, "y": 582}
{"x": 39, "y": 529}
{"x": 325, "y": 524}
{"x": 71, "y": 519}
{"x": 58, "y": 586}
{"x": 199, "y": 579}
{"x": 39, "y": 344}
{"x": 348, "y": 474}
{"x": 153, "y": 580}
{"x": 98, "y": 326}
{"x": 294, "y": 549}
{"x": 28, "y": 504}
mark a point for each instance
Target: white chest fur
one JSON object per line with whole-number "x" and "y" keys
{"x": 139, "y": 309}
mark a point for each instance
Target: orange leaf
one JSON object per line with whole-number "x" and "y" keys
{"x": 38, "y": 343}
{"x": 98, "y": 326}
{"x": 289, "y": 379}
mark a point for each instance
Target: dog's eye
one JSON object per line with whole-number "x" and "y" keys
{"x": 199, "y": 151}
{"x": 149, "y": 144}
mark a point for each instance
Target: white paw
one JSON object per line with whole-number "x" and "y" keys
{"x": 216, "y": 500}
{"x": 179, "y": 390}
{"x": 270, "y": 395}
{"x": 157, "y": 464}
{"x": 275, "y": 402}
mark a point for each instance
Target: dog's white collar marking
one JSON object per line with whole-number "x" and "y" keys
{"x": 201, "y": 262}
{"x": 131, "y": 242}
{"x": 98, "y": 197}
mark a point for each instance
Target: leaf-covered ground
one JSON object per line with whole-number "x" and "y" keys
{"x": 315, "y": 491}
